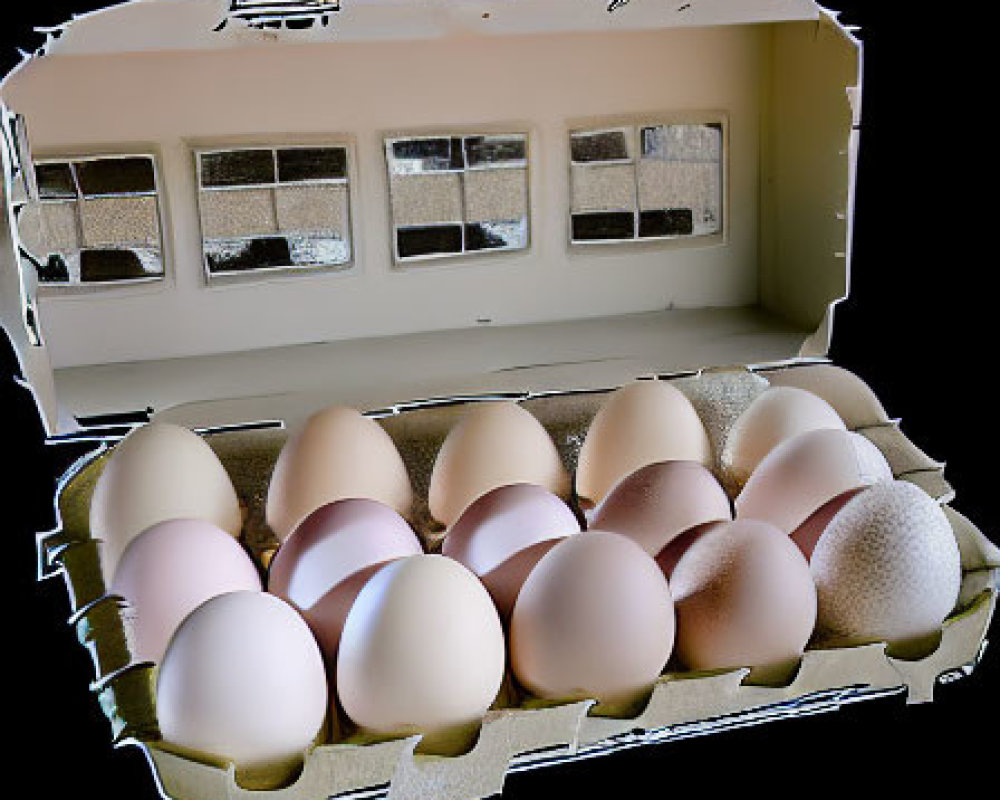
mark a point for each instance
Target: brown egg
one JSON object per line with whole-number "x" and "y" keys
{"x": 326, "y": 561}
{"x": 495, "y": 444}
{"x": 744, "y": 598}
{"x": 503, "y": 534}
{"x": 338, "y": 454}
{"x": 780, "y": 413}
{"x": 660, "y": 502}
{"x": 594, "y": 619}
{"x": 642, "y": 423}
{"x": 805, "y": 472}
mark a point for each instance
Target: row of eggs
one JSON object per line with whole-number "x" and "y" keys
{"x": 412, "y": 642}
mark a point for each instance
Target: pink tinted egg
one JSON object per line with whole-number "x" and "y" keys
{"x": 659, "y": 502}
{"x": 326, "y": 561}
{"x": 744, "y": 598}
{"x": 170, "y": 569}
{"x": 504, "y": 533}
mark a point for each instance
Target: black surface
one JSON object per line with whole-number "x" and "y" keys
{"x": 919, "y": 328}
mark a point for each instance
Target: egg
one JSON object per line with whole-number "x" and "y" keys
{"x": 243, "y": 680}
{"x": 503, "y": 534}
{"x": 594, "y": 619}
{"x": 805, "y": 472}
{"x": 494, "y": 444}
{"x": 169, "y": 570}
{"x": 779, "y": 413}
{"x": 847, "y": 394}
{"x": 744, "y": 597}
{"x": 887, "y": 567}
{"x": 642, "y": 423}
{"x": 660, "y": 502}
{"x": 338, "y": 454}
{"x": 807, "y": 534}
{"x": 158, "y": 472}
{"x": 326, "y": 561}
{"x": 422, "y": 649}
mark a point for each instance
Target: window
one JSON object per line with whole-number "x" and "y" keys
{"x": 97, "y": 220}
{"x": 646, "y": 182}
{"x": 454, "y": 195}
{"x": 268, "y": 208}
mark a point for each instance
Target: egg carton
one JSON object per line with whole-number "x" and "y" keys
{"x": 524, "y": 733}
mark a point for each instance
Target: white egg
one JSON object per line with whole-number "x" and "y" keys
{"x": 887, "y": 567}
{"x": 243, "y": 680}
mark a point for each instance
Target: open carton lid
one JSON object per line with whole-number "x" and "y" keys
{"x": 171, "y": 78}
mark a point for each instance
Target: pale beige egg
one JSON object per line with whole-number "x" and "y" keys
{"x": 641, "y": 423}
{"x": 744, "y": 598}
{"x": 887, "y": 567}
{"x": 778, "y": 414}
{"x": 243, "y": 680}
{"x": 804, "y": 473}
{"x": 494, "y": 444}
{"x": 850, "y": 397}
{"x": 338, "y": 454}
{"x": 594, "y": 619}
{"x": 422, "y": 649}
{"x": 159, "y": 472}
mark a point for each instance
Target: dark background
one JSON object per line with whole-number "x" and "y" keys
{"x": 915, "y": 328}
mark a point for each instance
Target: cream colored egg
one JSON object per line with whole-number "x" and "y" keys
{"x": 850, "y": 397}
{"x": 422, "y": 649}
{"x": 169, "y": 570}
{"x": 243, "y": 680}
{"x": 744, "y": 598}
{"x": 804, "y": 473}
{"x": 156, "y": 473}
{"x": 778, "y": 414}
{"x": 641, "y": 423}
{"x": 495, "y": 444}
{"x": 338, "y": 454}
{"x": 887, "y": 567}
{"x": 594, "y": 619}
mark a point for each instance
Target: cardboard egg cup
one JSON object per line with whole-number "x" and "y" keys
{"x": 243, "y": 358}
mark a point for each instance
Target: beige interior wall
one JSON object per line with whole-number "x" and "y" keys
{"x": 358, "y": 92}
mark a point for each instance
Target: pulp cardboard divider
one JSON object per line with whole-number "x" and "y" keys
{"x": 530, "y": 734}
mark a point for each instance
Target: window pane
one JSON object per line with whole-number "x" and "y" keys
{"x": 599, "y": 146}
{"x": 603, "y": 226}
{"x": 106, "y": 176}
{"x": 603, "y": 187}
{"x": 691, "y": 143}
{"x": 673, "y": 222}
{"x": 55, "y": 181}
{"x": 237, "y": 168}
{"x": 426, "y": 155}
{"x": 97, "y": 266}
{"x": 511, "y": 235}
{"x": 430, "y": 240}
{"x": 486, "y": 151}
{"x": 311, "y": 250}
{"x": 237, "y": 255}
{"x": 312, "y": 163}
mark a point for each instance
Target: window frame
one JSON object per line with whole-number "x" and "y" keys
{"x": 633, "y": 125}
{"x": 55, "y": 289}
{"x": 258, "y": 274}
{"x": 405, "y": 263}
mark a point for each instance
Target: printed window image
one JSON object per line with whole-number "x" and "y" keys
{"x": 274, "y": 208}
{"x": 646, "y": 182}
{"x": 454, "y": 195}
{"x": 97, "y": 220}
